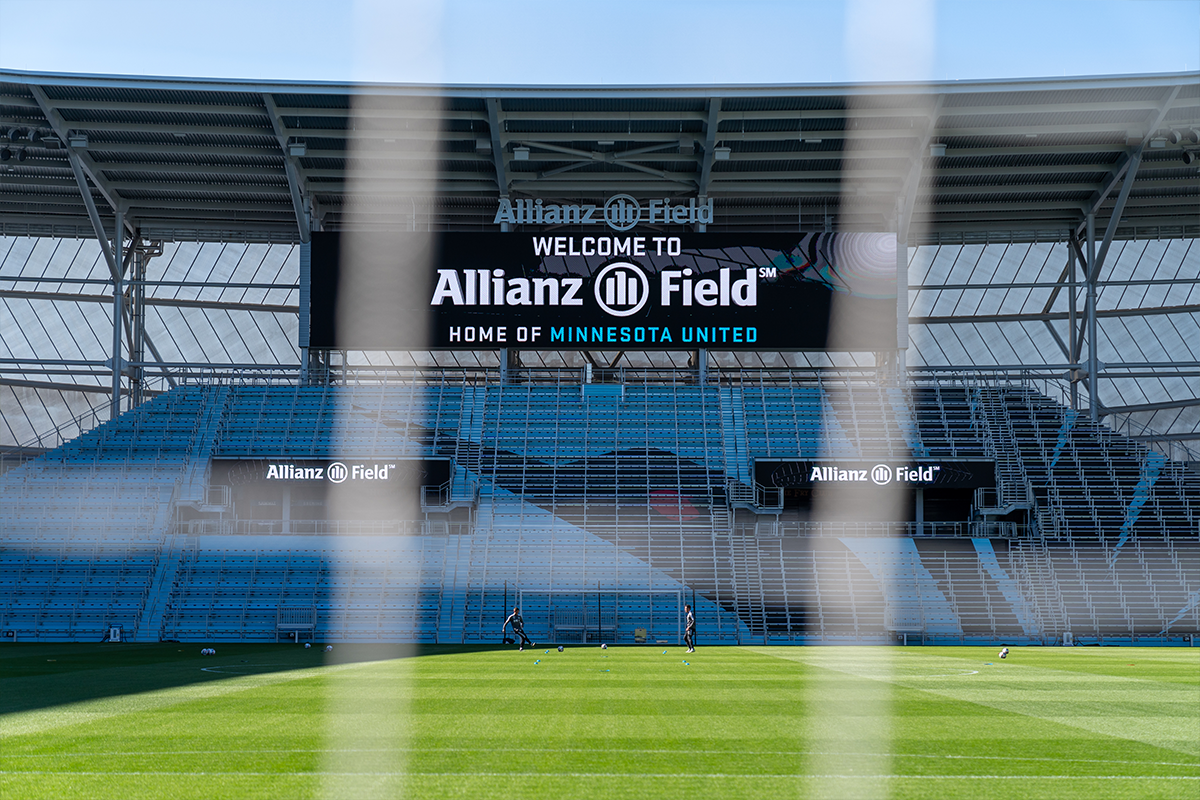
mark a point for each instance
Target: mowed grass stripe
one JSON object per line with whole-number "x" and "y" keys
{"x": 559, "y": 774}
{"x": 1036, "y": 683}
{"x": 493, "y": 724}
{"x": 630, "y": 751}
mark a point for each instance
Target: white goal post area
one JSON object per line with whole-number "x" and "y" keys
{"x": 609, "y": 616}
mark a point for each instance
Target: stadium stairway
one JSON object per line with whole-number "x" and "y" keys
{"x": 162, "y": 584}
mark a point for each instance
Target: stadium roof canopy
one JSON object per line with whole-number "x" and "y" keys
{"x": 995, "y": 175}
{"x": 231, "y": 160}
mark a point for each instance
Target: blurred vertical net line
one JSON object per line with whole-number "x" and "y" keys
{"x": 849, "y": 705}
{"x": 386, "y": 255}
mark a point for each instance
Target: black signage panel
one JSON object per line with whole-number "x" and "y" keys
{"x": 925, "y": 473}
{"x": 639, "y": 289}
{"x": 261, "y": 488}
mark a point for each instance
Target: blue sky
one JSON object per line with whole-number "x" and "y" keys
{"x": 607, "y": 42}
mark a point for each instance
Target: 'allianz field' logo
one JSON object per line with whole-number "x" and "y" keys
{"x": 622, "y": 289}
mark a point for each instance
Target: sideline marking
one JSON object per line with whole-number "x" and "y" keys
{"x": 606, "y": 750}
{"x": 671, "y": 775}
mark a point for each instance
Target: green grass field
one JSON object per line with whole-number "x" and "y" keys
{"x": 159, "y": 721}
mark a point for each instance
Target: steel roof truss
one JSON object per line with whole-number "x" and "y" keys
{"x": 291, "y": 168}
{"x": 494, "y": 131}
{"x": 84, "y": 161}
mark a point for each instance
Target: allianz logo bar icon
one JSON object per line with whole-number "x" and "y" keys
{"x": 621, "y": 289}
{"x": 621, "y": 212}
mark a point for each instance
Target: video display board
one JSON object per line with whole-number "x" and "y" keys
{"x": 636, "y": 290}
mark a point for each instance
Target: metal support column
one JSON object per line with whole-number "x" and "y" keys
{"x": 702, "y": 367}
{"x": 1093, "y": 352}
{"x": 137, "y": 344}
{"x": 118, "y": 296}
{"x": 904, "y": 209}
{"x": 1072, "y": 345}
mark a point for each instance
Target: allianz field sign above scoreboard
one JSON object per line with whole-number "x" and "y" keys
{"x": 629, "y": 286}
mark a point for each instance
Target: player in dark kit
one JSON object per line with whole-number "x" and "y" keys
{"x": 518, "y": 626}
{"x": 689, "y": 629}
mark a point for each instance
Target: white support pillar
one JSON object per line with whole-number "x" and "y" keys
{"x": 118, "y": 292}
{"x": 1093, "y": 352}
{"x": 1072, "y": 332}
{"x": 904, "y": 207}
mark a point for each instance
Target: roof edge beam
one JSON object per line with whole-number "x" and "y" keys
{"x": 908, "y": 190}
{"x": 494, "y": 130}
{"x": 1160, "y": 113}
{"x": 1149, "y": 311}
{"x": 94, "y": 215}
{"x": 291, "y": 168}
{"x": 89, "y": 167}
{"x": 1114, "y": 220}
{"x": 1135, "y": 408}
{"x": 710, "y": 143}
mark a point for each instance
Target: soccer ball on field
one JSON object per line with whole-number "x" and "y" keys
{"x": 1004, "y": 652}
{"x": 560, "y": 648}
{"x": 328, "y": 648}
{"x": 604, "y": 647}
{"x": 307, "y": 645}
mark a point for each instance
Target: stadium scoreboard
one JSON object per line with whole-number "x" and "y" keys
{"x": 613, "y": 289}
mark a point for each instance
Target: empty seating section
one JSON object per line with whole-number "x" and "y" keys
{"x": 1085, "y": 478}
{"x": 322, "y": 422}
{"x": 945, "y": 423}
{"x": 360, "y": 590}
{"x": 633, "y": 456}
{"x": 1141, "y": 593}
{"x": 73, "y": 592}
{"x": 621, "y": 487}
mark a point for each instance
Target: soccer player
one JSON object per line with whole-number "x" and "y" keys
{"x": 518, "y": 626}
{"x": 689, "y": 629}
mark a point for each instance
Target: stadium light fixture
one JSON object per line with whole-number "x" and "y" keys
{"x": 936, "y": 150}
{"x": 721, "y": 153}
{"x": 1193, "y": 136}
{"x": 20, "y": 156}
{"x": 1158, "y": 143}
{"x": 521, "y": 153}
{"x": 78, "y": 140}
{"x": 297, "y": 148}
{"x": 1190, "y": 157}
{"x": 1175, "y": 137}
{"x": 5, "y": 154}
